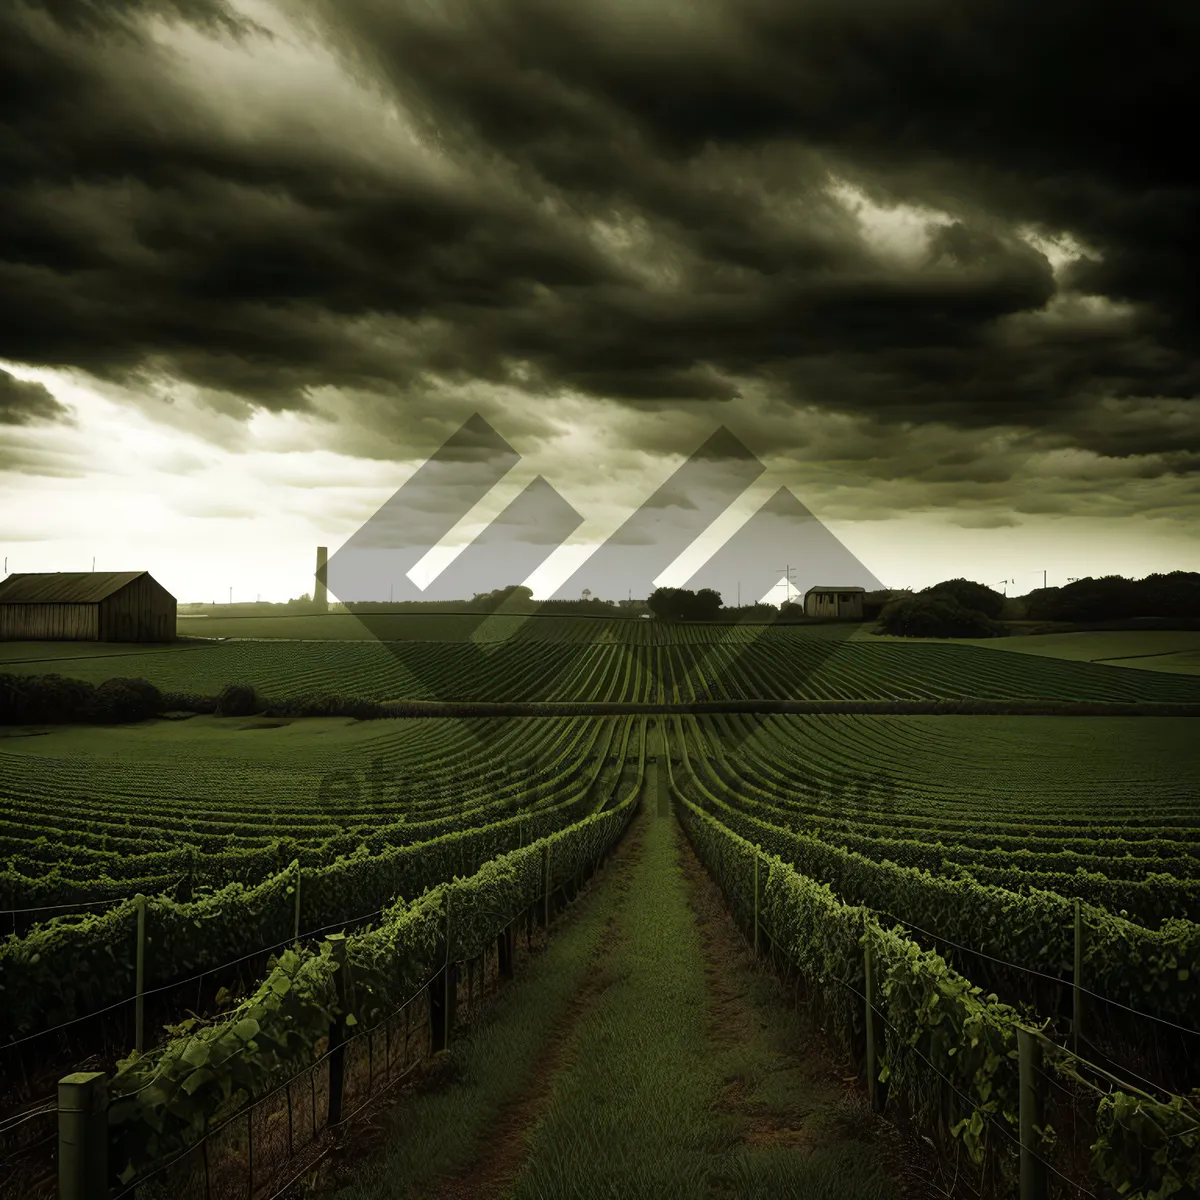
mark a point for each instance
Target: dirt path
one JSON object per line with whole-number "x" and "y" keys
{"x": 648, "y": 1056}
{"x": 681, "y": 1081}
{"x": 501, "y": 1150}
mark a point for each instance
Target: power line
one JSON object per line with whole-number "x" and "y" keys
{"x": 787, "y": 581}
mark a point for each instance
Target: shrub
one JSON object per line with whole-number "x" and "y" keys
{"x": 684, "y": 604}
{"x": 237, "y": 700}
{"x": 29, "y": 699}
{"x": 1114, "y": 598}
{"x": 119, "y": 700}
{"x": 936, "y": 616}
{"x": 875, "y": 602}
{"x": 188, "y": 702}
{"x": 969, "y": 594}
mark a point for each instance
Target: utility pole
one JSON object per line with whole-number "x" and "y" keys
{"x": 231, "y": 593}
{"x": 787, "y": 581}
{"x": 93, "y": 563}
{"x": 739, "y": 593}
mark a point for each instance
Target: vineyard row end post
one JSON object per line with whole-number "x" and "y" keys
{"x": 83, "y": 1136}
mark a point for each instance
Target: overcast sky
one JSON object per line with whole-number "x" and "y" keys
{"x": 932, "y": 263}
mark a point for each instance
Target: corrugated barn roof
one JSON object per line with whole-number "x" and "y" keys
{"x": 64, "y": 587}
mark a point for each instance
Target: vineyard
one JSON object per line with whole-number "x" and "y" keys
{"x": 597, "y": 663}
{"x": 170, "y": 884}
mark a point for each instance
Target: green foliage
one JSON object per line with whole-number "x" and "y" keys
{"x": 1174, "y": 595}
{"x": 343, "y": 878}
{"x": 936, "y": 1018}
{"x": 934, "y": 1011}
{"x": 1148, "y": 1149}
{"x": 238, "y": 700}
{"x": 936, "y": 1015}
{"x": 936, "y": 615}
{"x": 164, "y": 1099}
{"x": 29, "y": 699}
{"x": 120, "y": 700}
{"x": 684, "y": 604}
{"x": 1148, "y": 969}
{"x": 968, "y": 594}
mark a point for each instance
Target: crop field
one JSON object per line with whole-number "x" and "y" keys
{"x": 359, "y": 813}
{"x": 96, "y": 811}
{"x": 755, "y": 662}
{"x": 199, "y": 862}
{"x": 1154, "y": 650}
{"x": 1105, "y": 808}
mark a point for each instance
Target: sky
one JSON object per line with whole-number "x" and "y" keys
{"x": 930, "y": 265}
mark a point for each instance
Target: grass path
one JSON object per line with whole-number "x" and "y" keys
{"x": 643, "y": 1055}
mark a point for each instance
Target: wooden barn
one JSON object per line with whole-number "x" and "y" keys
{"x": 96, "y": 606}
{"x": 841, "y": 603}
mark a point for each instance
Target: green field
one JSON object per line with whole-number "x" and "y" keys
{"x": 753, "y": 662}
{"x": 986, "y": 839}
{"x": 1150, "y": 649}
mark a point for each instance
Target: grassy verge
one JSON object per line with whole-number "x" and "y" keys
{"x": 641, "y": 1056}
{"x": 680, "y": 1083}
{"x": 472, "y": 1107}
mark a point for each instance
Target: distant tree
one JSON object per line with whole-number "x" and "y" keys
{"x": 237, "y": 700}
{"x": 662, "y": 603}
{"x": 1110, "y": 598}
{"x": 118, "y": 700}
{"x": 970, "y": 595}
{"x": 875, "y": 602}
{"x": 516, "y": 594}
{"x": 1176, "y": 594}
{"x": 683, "y": 604}
{"x": 936, "y": 616}
{"x": 704, "y": 605}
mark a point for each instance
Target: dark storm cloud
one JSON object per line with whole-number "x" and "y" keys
{"x": 639, "y": 209}
{"x": 23, "y": 402}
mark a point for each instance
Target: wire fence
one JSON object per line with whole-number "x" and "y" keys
{"x": 216, "y": 969}
{"x": 1068, "y": 1099}
{"x": 1132, "y": 1040}
{"x": 261, "y": 1149}
{"x": 254, "y": 1152}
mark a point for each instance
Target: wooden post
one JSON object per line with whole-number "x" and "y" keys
{"x": 83, "y": 1136}
{"x": 450, "y": 1006}
{"x": 296, "y": 922}
{"x": 1077, "y": 983}
{"x": 756, "y": 853}
{"x": 337, "y": 1035}
{"x": 546, "y": 886}
{"x": 504, "y": 949}
{"x": 876, "y": 1090}
{"x": 437, "y": 1011}
{"x": 139, "y": 1004}
{"x": 449, "y": 983}
{"x": 1033, "y": 1169}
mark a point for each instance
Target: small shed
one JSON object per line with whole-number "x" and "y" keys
{"x": 96, "y": 606}
{"x": 841, "y": 603}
